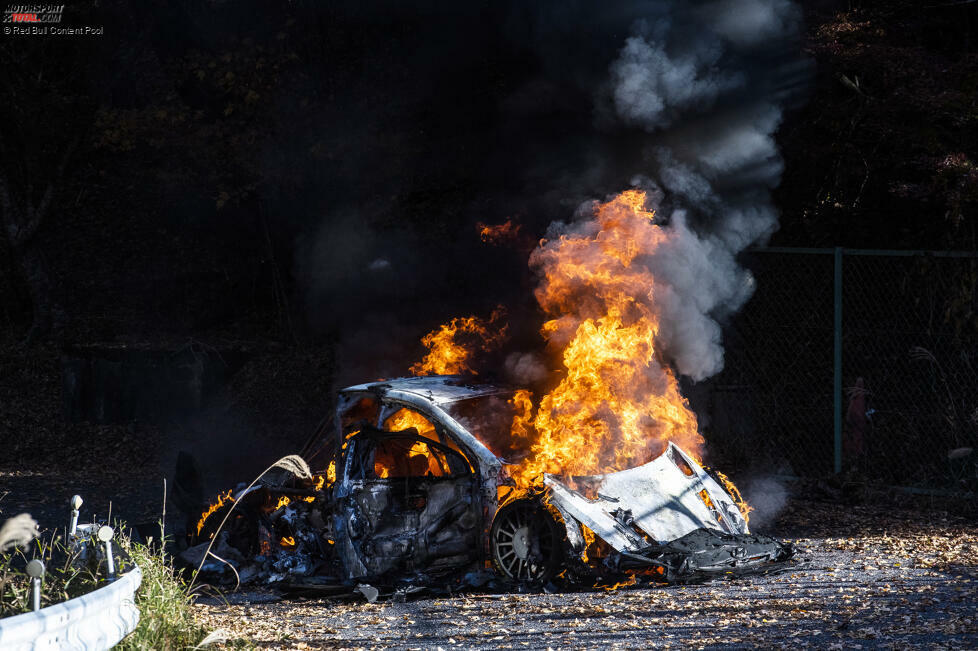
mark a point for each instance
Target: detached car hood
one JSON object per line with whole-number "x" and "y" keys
{"x": 669, "y": 513}
{"x": 663, "y": 498}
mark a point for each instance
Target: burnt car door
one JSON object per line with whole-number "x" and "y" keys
{"x": 407, "y": 504}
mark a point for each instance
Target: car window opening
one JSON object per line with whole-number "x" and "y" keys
{"x": 405, "y": 454}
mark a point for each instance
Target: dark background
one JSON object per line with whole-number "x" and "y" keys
{"x": 254, "y": 202}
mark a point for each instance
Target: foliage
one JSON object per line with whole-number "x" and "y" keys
{"x": 165, "y": 601}
{"x": 66, "y": 576}
{"x": 166, "y": 617}
{"x": 882, "y": 154}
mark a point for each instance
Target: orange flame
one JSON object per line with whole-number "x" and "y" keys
{"x": 498, "y": 233}
{"x": 404, "y": 418}
{"x": 705, "y": 496}
{"x": 320, "y": 482}
{"x": 631, "y": 580}
{"x": 618, "y": 404}
{"x": 522, "y": 428}
{"x": 594, "y": 548}
{"x": 450, "y": 353}
{"x": 288, "y": 542}
{"x": 222, "y": 499}
{"x": 421, "y": 449}
{"x": 282, "y": 501}
{"x": 738, "y": 499}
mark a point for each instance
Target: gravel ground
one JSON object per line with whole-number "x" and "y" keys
{"x": 866, "y": 577}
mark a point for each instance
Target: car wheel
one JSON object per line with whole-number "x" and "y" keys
{"x": 525, "y": 541}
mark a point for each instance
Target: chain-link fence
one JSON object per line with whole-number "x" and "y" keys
{"x": 848, "y": 360}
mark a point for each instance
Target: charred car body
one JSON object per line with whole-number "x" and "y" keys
{"x": 422, "y": 492}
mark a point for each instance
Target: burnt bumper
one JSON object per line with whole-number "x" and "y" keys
{"x": 705, "y": 553}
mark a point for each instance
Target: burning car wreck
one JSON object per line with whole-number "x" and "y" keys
{"x": 418, "y": 487}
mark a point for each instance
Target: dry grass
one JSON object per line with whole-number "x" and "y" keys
{"x": 166, "y": 617}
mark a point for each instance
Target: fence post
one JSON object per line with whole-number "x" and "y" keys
{"x": 837, "y": 363}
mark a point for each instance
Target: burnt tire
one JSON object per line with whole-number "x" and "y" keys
{"x": 526, "y": 542}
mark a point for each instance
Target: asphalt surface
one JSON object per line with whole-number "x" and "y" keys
{"x": 865, "y": 577}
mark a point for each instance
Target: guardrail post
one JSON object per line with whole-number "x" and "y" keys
{"x": 837, "y": 362}
{"x": 35, "y": 570}
{"x": 76, "y": 503}
{"x": 105, "y": 534}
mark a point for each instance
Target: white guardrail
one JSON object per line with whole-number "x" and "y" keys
{"x": 97, "y": 620}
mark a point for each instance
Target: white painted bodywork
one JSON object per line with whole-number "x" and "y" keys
{"x": 662, "y": 500}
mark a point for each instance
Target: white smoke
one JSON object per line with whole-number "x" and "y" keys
{"x": 696, "y": 278}
{"x": 651, "y": 87}
{"x": 525, "y": 369}
{"x": 701, "y": 82}
{"x": 768, "y": 497}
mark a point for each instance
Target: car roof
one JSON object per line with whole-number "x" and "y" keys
{"x": 436, "y": 389}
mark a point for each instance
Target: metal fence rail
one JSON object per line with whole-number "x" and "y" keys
{"x": 853, "y": 360}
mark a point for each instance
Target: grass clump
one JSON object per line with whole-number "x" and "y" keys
{"x": 164, "y": 599}
{"x": 66, "y": 575}
{"x": 165, "y": 602}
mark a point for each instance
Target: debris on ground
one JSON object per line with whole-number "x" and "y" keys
{"x": 873, "y": 576}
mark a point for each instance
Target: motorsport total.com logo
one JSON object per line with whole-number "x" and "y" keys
{"x": 50, "y": 14}
{"x": 43, "y": 20}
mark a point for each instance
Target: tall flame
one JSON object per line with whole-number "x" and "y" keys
{"x": 451, "y": 346}
{"x": 618, "y": 403}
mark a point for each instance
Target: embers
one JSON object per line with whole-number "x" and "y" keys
{"x": 272, "y": 533}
